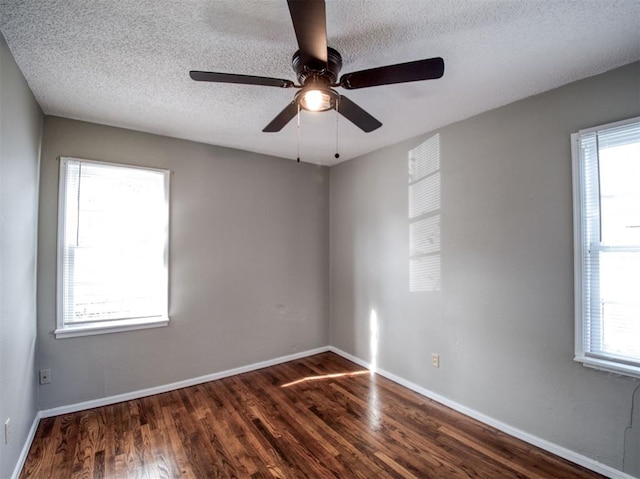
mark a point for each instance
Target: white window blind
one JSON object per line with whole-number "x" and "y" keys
{"x": 112, "y": 247}
{"x": 607, "y": 231}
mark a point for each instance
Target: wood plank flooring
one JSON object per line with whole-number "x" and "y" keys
{"x": 317, "y": 417}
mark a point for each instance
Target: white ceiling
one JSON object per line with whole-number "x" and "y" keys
{"x": 126, "y": 62}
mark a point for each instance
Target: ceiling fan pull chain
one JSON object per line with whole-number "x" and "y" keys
{"x": 337, "y": 155}
{"x": 298, "y": 133}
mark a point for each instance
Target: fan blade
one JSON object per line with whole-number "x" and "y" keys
{"x": 240, "y": 79}
{"x": 310, "y": 24}
{"x": 418, "y": 70}
{"x": 284, "y": 117}
{"x": 357, "y": 115}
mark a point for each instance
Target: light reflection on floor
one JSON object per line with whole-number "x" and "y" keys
{"x": 375, "y": 415}
{"x": 325, "y": 376}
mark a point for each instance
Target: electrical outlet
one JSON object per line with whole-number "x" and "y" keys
{"x": 435, "y": 360}
{"x": 7, "y": 431}
{"x": 45, "y": 376}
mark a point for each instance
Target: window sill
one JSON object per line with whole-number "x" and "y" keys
{"x": 610, "y": 366}
{"x": 111, "y": 327}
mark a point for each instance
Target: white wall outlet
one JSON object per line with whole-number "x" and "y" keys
{"x": 45, "y": 376}
{"x": 435, "y": 360}
{"x": 7, "y": 431}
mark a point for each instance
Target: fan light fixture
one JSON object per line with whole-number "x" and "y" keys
{"x": 317, "y": 99}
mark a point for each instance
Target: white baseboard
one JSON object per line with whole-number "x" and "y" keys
{"x": 25, "y": 448}
{"x": 548, "y": 446}
{"x": 177, "y": 385}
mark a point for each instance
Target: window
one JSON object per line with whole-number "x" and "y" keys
{"x": 606, "y": 178}
{"x": 113, "y": 228}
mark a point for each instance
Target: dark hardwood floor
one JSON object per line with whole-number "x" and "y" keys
{"x": 319, "y": 417}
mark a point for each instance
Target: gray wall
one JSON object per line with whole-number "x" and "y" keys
{"x": 502, "y": 318}
{"x": 20, "y": 133}
{"x": 248, "y": 265}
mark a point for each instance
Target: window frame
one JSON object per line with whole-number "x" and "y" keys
{"x": 109, "y": 326}
{"x": 604, "y": 362}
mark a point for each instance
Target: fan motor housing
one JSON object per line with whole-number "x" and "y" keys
{"x": 305, "y": 71}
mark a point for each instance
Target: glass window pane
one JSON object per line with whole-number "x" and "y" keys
{"x": 116, "y": 232}
{"x": 620, "y": 303}
{"x": 620, "y": 194}
{"x": 621, "y": 329}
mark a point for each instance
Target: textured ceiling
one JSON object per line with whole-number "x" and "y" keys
{"x": 126, "y": 62}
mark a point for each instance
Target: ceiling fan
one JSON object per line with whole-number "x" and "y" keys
{"x": 317, "y": 67}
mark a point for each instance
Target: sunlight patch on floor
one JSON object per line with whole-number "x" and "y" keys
{"x": 325, "y": 376}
